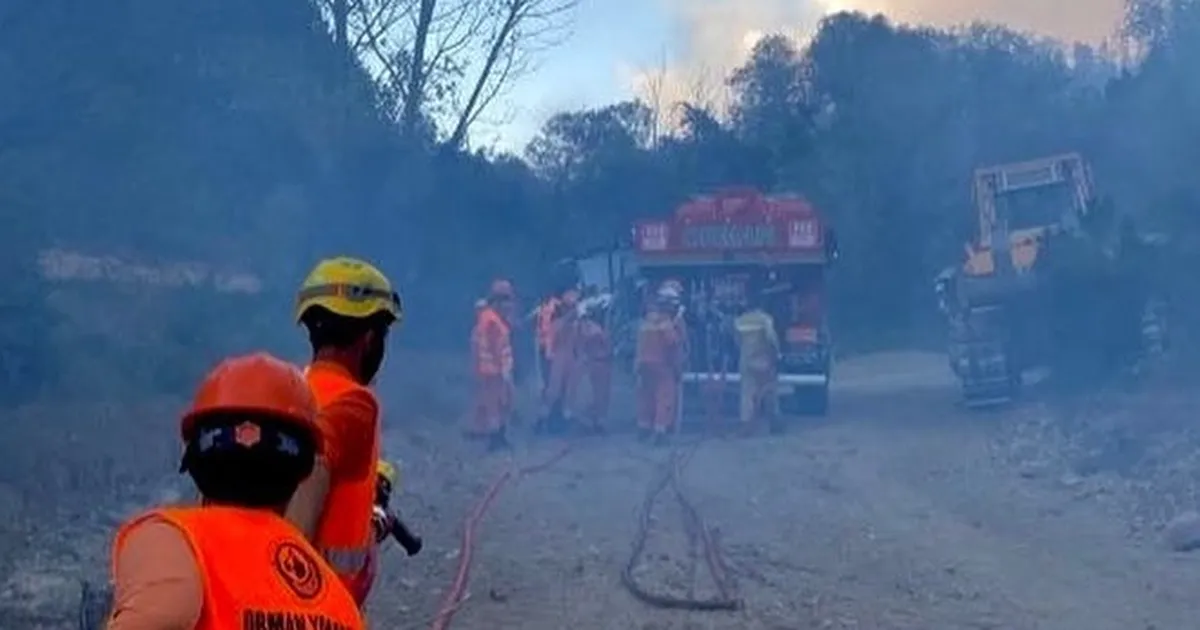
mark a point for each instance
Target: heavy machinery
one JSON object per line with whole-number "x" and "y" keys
{"x": 719, "y": 247}
{"x": 1054, "y": 278}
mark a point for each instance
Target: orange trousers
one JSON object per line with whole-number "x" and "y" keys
{"x": 560, "y": 385}
{"x": 493, "y": 403}
{"x": 657, "y": 396}
{"x": 599, "y": 375}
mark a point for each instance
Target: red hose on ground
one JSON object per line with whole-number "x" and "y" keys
{"x": 454, "y": 595}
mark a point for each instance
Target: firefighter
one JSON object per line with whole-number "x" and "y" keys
{"x": 758, "y": 361}
{"x": 556, "y": 413}
{"x": 491, "y": 347}
{"x": 596, "y": 357}
{"x": 658, "y": 361}
{"x": 545, "y": 315}
{"x": 348, "y": 308}
{"x": 233, "y": 561}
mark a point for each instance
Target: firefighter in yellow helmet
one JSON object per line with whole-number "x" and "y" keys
{"x": 348, "y": 306}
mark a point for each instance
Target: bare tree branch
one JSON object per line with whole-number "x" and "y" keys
{"x": 526, "y": 25}
{"x": 511, "y": 65}
{"x": 420, "y": 49}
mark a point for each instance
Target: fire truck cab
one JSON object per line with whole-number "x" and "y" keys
{"x": 718, "y": 248}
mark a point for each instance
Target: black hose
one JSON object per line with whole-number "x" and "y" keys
{"x": 695, "y": 525}
{"x": 404, "y": 536}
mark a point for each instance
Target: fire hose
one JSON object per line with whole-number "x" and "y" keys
{"x": 695, "y": 526}
{"x": 697, "y": 530}
{"x": 455, "y": 594}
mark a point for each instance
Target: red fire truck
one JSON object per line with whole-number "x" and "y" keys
{"x": 719, "y": 247}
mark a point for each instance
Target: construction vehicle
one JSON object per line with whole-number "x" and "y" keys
{"x": 1054, "y": 278}
{"x": 719, "y": 247}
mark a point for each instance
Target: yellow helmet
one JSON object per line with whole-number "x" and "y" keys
{"x": 348, "y": 287}
{"x": 391, "y": 473}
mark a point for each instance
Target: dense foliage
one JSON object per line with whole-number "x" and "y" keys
{"x": 241, "y": 135}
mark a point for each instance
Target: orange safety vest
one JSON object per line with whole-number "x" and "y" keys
{"x": 489, "y": 360}
{"x": 344, "y": 536}
{"x": 257, "y": 571}
{"x": 545, "y": 324}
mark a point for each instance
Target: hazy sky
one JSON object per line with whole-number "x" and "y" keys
{"x": 619, "y": 47}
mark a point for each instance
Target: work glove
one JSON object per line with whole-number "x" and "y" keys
{"x": 380, "y": 524}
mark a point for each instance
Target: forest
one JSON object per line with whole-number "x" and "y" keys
{"x": 254, "y": 137}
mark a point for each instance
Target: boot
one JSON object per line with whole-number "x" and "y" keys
{"x": 643, "y": 435}
{"x": 661, "y": 439}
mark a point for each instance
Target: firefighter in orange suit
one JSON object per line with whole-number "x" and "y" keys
{"x": 556, "y": 413}
{"x": 348, "y": 307}
{"x": 658, "y": 361}
{"x": 234, "y": 561}
{"x": 546, "y": 314}
{"x": 596, "y": 357}
{"x": 491, "y": 347}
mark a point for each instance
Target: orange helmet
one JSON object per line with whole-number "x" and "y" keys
{"x": 257, "y": 384}
{"x": 502, "y": 288}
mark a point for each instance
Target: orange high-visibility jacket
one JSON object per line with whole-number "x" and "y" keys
{"x": 491, "y": 344}
{"x": 659, "y": 342}
{"x": 257, "y": 570}
{"x": 344, "y": 535}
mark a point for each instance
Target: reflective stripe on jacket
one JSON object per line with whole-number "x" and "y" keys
{"x": 257, "y": 570}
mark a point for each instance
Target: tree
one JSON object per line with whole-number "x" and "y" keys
{"x": 523, "y": 29}
{"x": 773, "y": 104}
{"x": 572, "y": 142}
{"x": 448, "y": 60}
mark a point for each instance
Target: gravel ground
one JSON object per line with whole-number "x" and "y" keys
{"x": 898, "y": 511}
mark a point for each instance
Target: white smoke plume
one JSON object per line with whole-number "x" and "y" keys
{"x": 716, "y": 35}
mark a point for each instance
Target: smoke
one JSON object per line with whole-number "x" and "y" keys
{"x": 1087, "y": 21}
{"x": 712, "y": 38}
{"x": 715, "y": 36}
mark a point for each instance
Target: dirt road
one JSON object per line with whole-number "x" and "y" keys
{"x": 896, "y": 512}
